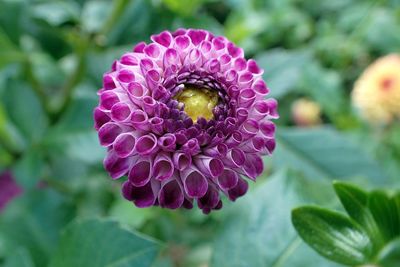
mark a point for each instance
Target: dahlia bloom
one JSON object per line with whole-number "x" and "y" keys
{"x": 306, "y": 112}
{"x": 9, "y": 189}
{"x": 185, "y": 118}
{"x": 376, "y": 93}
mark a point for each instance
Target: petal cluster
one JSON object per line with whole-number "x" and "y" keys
{"x": 169, "y": 159}
{"x": 376, "y": 93}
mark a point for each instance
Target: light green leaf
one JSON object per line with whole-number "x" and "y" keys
{"x": 94, "y": 15}
{"x": 9, "y": 53}
{"x": 324, "y": 152}
{"x": 19, "y": 258}
{"x": 332, "y": 234}
{"x": 57, "y": 12}
{"x": 257, "y": 230}
{"x": 25, "y": 111}
{"x": 28, "y": 170}
{"x": 94, "y": 243}
{"x": 283, "y": 69}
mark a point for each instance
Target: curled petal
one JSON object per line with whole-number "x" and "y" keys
{"x": 260, "y": 87}
{"x": 144, "y": 196}
{"x": 125, "y": 76}
{"x": 167, "y": 142}
{"x": 210, "y": 200}
{"x": 181, "y": 160}
{"x": 171, "y": 194}
{"x": 149, "y": 105}
{"x": 164, "y": 38}
{"x": 228, "y": 179}
{"x": 239, "y": 190}
{"x": 235, "y": 139}
{"x": 116, "y": 166}
{"x": 157, "y": 125}
{"x": 108, "y": 133}
{"x": 194, "y": 182}
{"x": 163, "y": 168}
{"x": 267, "y": 128}
{"x": 191, "y": 147}
{"x": 241, "y": 115}
{"x": 108, "y": 99}
{"x": 235, "y": 158}
{"x": 255, "y": 144}
{"x": 146, "y": 145}
{"x": 273, "y": 108}
{"x": 124, "y": 145}
{"x": 100, "y": 118}
{"x": 140, "y": 120}
{"x": 141, "y": 172}
{"x": 249, "y": 129}
{"x": 136, "y": 92}
{"x": 211, "y": 167}
{"x": 253, "y": 166}
{"x": 120, "y": 112}
{"x": 246, "y": 98}
{"x": 219, "y": 150}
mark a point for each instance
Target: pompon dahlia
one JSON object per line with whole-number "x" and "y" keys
{"x": 376, "y": 93}
{"x": 185, "y": 118}
{"x": 9, "y": 189}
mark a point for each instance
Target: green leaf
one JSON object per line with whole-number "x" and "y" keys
{"x": 283, "y": 69}
{"x": 33, "y": 220}
{"x": 57, "y": 12}
{"x": 94, "y": 243}
{"x": 9, "y": 53}
{"x": 332, "y": 235}
{"x": 257, "y": 230}
{"x": 25, "y": 111}
{"x": 28, "y": 170}
{"x": 19, "y": 258}
{"x": 94, "y": 14}
{"x": 355, "y": 201}
{"x": 390, "y": 254}
{"x": 324, "y": 152}
{"x": 385, "y": 213}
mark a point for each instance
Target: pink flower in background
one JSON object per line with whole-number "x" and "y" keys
{"x": 185, "y": 118}
{"x": 9, "y": 189}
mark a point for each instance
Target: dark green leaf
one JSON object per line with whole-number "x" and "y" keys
{"x": 385, "y": 213}
{"x": 324, "y": 152}
{"x": 355, "y": 201}
{"x": 28, "y": 170}
{"x": 8, "y": 52}
{"x": 258, "y": 231}
{"x": 390, "y": 254}
{"x": 94, "y": 243}
{"x": 56, "y": 13}
{"x": 332, "y": 235}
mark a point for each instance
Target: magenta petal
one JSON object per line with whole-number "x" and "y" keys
{"x": 9, "y": 189}
{"x": 194, "y": 182}
{"x": 228, "y": 179}
{"x": 108, "y": 133}
{"x": 163, "y": 167}
{"x": 235, "y": 139}
{"x": 239, "y": 190}
{"x": 108, "y": 99}
{"x": 181, "y": 160}
{"x": 210, "y": 200}
{"x": 246, "y": 98}
{"x": 144, "y": 196}
{"x": 100, "y": 118}
{"x": 146, "y": 145}
{"x": 218, "y": 150}
{"x": 209, "y": 166}
{"x": 253, "y": 166}
{"x": 116, "y": 166}
{"x": 167, "y": 142}
{"x": 140, "y": 172}
{"x": 249, "y": 129}
{"x": 171, "y": 195}
{"x": 235, "y": 158}
{"x": 124, "y": 145}
{"x": 120, "y": 112}
{"x": 164, "y": 38}
{"x": 140, "y": 120}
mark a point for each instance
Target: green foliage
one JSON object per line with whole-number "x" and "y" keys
{"x": 52, "y": 58}
{"x": 369, "y": 235}
{"x": 94, "y": 243}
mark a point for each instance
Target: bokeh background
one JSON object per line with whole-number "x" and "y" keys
{"x": 52, "y": 57}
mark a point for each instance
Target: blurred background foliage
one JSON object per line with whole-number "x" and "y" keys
{"x": 52, "y": 57}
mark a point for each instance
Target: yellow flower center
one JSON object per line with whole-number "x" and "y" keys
{"x": 199, "y": 102}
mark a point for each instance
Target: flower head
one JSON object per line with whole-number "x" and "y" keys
{"x": 376, "y": 93}
{"x": 9, "y": 189}
{"x": 306, "y": 112}
{"x": 185, "y": 118}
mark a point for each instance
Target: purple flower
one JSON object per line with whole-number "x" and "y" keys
{"x": 9, "y": 189}
{"x": 185, "y": 118}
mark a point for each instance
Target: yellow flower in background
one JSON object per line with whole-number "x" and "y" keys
{"x": 376, "y": 93}
{"x": 306, "y": 112}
